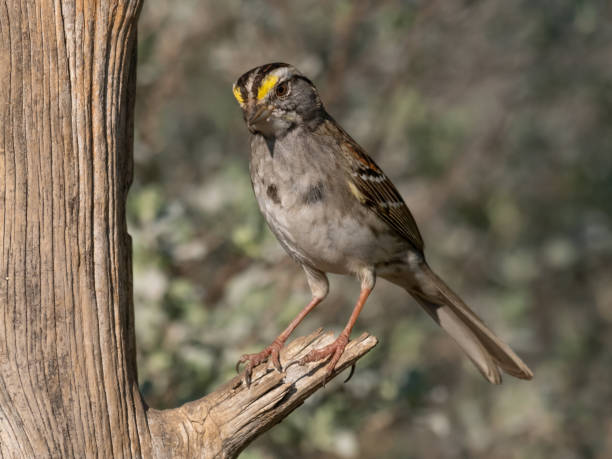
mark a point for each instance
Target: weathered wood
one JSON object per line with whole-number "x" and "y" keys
{"x": 68, "y": 385}
{"x": 67, "y": 362}
{"x": 225, "y": 422}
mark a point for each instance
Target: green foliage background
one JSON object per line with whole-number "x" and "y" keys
{"x": 494, "y": 121}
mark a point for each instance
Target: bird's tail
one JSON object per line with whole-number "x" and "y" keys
{"x": 486, "y": 350}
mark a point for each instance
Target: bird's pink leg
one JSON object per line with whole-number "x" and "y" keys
{"x": 335, "y": 349}
{"x": 272, "y": 352}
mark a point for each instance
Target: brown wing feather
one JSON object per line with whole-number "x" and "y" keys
{"x": 377, "y": 192}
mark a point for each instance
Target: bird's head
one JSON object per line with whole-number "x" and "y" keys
{"x": 275, "y": 98}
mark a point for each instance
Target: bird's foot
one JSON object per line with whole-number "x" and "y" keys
{"x": 333, "y": 351}
{"x": 272, "y": 352}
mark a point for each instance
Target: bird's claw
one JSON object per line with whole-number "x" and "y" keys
{"x": 272, "y": 352}
{"x": 351, "y": 373}
{"x": 332, "y": 351}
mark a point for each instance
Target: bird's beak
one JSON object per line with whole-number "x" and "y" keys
{"x": 261, "y": 114}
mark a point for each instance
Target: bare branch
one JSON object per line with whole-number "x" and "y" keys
{"x": 224, "y": 422}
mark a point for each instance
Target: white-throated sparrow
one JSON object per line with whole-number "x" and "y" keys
{"x": 334, "y": 210}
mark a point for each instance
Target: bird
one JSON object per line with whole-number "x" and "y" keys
{"x": 334, "y": 210}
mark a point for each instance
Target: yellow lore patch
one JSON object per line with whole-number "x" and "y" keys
{"x": 238, "y": 95}
{"x": 265, "y": 86}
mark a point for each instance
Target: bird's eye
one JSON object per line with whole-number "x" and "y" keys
{"x": 282, "y": 89}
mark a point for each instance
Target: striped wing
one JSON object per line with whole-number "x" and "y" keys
{"x": 374, "y": 189}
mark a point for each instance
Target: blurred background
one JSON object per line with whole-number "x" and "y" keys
{"x": 493, "y": 118}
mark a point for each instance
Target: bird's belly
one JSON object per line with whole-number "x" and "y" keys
{"x": 311, "y": 238}
{"x": 325, "y": 236}
{"x": 313, "y": 214}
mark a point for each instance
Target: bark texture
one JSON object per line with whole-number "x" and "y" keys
{"x": 67, "y": 361}
{"x": 68, "y": 383}
{"x": 224, "y": 422}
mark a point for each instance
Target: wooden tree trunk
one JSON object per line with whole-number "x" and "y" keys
{"x": 67, "y": 362}
{"x": 68, "y": 383}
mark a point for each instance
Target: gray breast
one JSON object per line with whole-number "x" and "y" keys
{"x": 310, "y": 210}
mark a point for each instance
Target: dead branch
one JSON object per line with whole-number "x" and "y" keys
{"x": 224, "y": 422}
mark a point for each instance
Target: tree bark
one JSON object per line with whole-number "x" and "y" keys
{"x": 224, "y": 422}
{"x": 68, "y": 383}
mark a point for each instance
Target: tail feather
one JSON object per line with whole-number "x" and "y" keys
{"x": 486, "y": 350}
{"x": 463, "y": 336}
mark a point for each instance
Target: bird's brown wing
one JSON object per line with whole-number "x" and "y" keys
{"x": 372, "y": 187}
